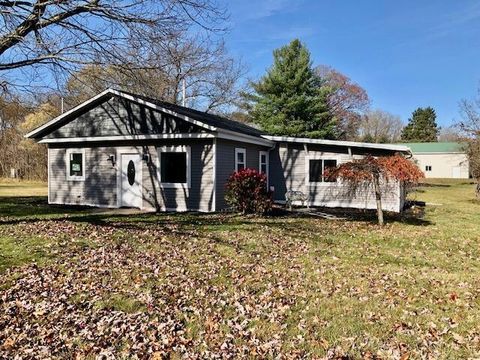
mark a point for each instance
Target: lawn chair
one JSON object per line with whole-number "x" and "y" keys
{"x": 291, "y": 196}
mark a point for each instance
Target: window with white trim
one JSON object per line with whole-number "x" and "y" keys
{"x": 174, "y": 166}
{"x": 317, "y": 167}
{"x": 240, "y": 159}
{"x": 75, "y": 160}
{"x": 263, "y": 162}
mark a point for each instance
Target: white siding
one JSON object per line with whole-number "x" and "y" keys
{"x": 444, "y": 165}
{"x": 292, "y": 174}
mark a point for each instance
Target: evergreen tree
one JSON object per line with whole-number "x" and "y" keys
{"x": 290, "y": 99}
{"x": 422, "y": 126}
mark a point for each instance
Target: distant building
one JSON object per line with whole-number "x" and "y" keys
{"x": 441, "y": 159}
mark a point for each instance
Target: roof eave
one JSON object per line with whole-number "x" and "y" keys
{"x": 399, "y": 148}
{"x": 109, "y": 92}
{"x": 237, "y": 136}
{"x": 56, "y": 120}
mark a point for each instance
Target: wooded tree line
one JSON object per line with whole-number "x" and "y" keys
{"x": 167, "y": 49}
{"x": 74, "y": 49}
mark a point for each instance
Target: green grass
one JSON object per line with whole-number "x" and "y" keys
{"x": 120, "y": 302}
{"x": 16, "y": 188}
{"x": 410, "y": 287}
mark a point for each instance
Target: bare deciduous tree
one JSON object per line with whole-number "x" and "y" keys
{"x": 158, "y": 69}
{"x": 449, "y": 134}
{"x": 44, "y": 35}
{"x": 379, "y": 126}
{"x": 25, "y": 157}
{"x": 348, "y": 101}
{"x": 470, "y": 126}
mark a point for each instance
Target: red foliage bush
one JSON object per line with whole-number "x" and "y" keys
{"x": 398, "y": 168}
{"x": 246, "y": 191}
{"x": 394, "y": 167}
{"x": 371, "y": 170}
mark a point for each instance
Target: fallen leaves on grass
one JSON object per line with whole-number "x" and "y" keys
{"x": 124, "y": 289}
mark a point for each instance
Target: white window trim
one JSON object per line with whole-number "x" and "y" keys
{"x": 175, "y": 148}
{"x": 67, "y": 163}
{"x": 319, "y": 157}
{"x": 267, "y": 159}
{"x": 240, "y": 151}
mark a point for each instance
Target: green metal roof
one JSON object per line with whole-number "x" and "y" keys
{"x": 435, "y": 147}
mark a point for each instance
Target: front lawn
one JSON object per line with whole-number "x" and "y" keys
{"x": 79, "y": 284}
{"x": 15, "y": 188}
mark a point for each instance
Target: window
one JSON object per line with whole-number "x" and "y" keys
{"x": 263, "y": 163}
{"x": 174, "y": 166}
{"x": 317, "y": 169}
{"x": 240, "y": 158}
{"x": 428, "y": 168}
{"x": 75, "y": 164}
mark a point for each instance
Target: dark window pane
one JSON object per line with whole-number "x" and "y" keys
{"x": 173, "y": 167}
{"x": 76, "y": 164}
{"x": 329, "y": 164}
{"x": 240, "y": 167}
{"x": 263, "y": 168}
{"x": 315, "y": 171}
{"x": 240, "y": 157}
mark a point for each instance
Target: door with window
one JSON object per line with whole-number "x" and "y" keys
{"x": 131, "y": 180}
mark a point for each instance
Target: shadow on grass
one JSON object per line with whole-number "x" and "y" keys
{"x": 15, "y": 210}
{"x": 434, "y": 185}
{"x": 409, "y": 216}
{"x": 34, "y": 206}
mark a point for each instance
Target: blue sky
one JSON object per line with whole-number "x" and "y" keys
{"x": 406, "y": 54}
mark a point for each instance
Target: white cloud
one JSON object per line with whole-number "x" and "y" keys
{"x": 260, "y": 9}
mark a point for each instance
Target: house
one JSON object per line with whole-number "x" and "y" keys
{"x": 441, "y": 159}
{"x": 124, "y": 150}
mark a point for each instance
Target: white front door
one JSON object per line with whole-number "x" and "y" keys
{"x": 131, "y": 180}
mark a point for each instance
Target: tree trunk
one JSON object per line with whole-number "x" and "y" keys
{"x": 477, "y": 189}
{"x": 378, "y": 199}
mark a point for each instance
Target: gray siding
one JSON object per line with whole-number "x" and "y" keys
{"x": 61, "y": 191}
{"x": 100, "y": 186}
{"x": 200, "y": 195}
{"x": 121, "y": 117}
{"x": 288, "y": 171}
{"x": 226, "y": 164}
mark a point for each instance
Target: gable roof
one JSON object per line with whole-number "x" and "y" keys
{"x": 206, "y": 118}
{"x": 436, "y": 147}
{"x": 208, "y": 121}
{"x": 218, "y": 125}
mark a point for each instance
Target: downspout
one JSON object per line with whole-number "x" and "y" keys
{"x": 268, "y": 170}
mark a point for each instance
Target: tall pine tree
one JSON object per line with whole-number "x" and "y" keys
{"x": 290, "y": 100}
{"x": 422, "y": 126}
